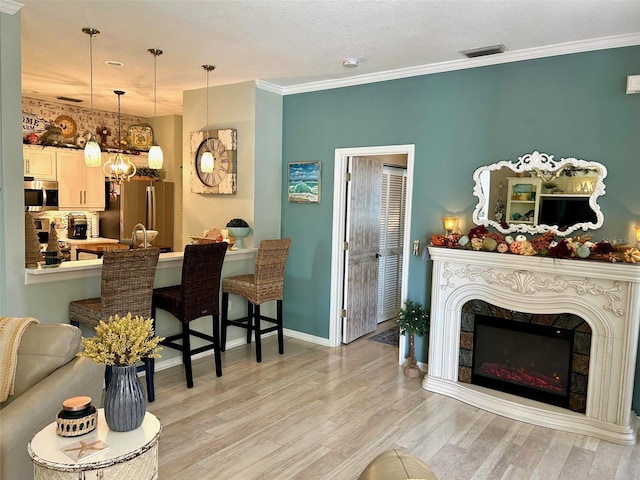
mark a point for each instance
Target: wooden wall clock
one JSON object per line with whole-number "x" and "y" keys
{"x": 223, "y": 146}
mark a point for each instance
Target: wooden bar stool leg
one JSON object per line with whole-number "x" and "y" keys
{"x": 149, "y": 367}
{"x": 223, "y": 332}
{"x": 280, "y": 327}
{"x": 216, "y": 346}
{"x": 186, "y": 354}
{"x": 256, "y": 319}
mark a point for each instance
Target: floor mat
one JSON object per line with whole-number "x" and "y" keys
{"x": 390, "y": 337}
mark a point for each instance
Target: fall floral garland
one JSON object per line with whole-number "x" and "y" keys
{"x": 547, "y": 244}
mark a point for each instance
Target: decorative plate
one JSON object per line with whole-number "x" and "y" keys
{"x": 67, "y": 125}
{"x": 140, "y": 137}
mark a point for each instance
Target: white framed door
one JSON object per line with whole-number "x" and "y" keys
{"x": 339, "y": 228}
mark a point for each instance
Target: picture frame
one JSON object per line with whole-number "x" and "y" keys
{"x": 304, "y": 182}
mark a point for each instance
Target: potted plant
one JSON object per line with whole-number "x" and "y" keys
{"x": 238, "y": 229}
{"x": 414, "y": 320}
{"x": 119, "y": 343}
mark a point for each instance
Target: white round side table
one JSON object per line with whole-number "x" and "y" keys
{"x": 130, "y": 455}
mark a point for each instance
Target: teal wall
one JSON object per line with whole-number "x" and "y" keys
{"x": 568, "y": 106}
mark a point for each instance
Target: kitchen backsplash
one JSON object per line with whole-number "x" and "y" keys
{"x": 72, "y": 124}
{"x": 60, "y": 219}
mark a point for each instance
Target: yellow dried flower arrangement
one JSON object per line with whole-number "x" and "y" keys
{"x": 122, "y": 341}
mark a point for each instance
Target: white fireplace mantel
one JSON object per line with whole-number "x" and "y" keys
{"x": 606, "y": 295}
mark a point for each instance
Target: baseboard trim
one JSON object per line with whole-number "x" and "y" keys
{"x": 172, "y": 362}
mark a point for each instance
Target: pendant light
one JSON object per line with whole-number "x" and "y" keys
{"x": 119, "y": 167}
{"x": 155, "y": 152}
{"x": 92, "y": 154}
{"x": 206, "y": 161}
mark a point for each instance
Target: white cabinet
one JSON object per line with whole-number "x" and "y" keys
{"x": 39, "y": 162}
{"x": 80, "y": 187}
{"x": 523, "y": 200}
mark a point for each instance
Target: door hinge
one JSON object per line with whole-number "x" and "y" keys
{"x": 345, "y": 246}
{"x": 343, "y": 313}
{"x": 347, "y": 176}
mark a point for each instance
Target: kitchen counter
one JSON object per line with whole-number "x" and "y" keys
{"x": 76, "y": 243}
{"x": 93, "y": 268}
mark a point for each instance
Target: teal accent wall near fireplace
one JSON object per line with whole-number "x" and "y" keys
{"x": 570, "y": 105}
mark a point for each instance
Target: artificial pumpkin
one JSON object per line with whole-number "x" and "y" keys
{"x": 515, "y": 247}
{"x": 632, "y": 255}
{"x": 438, "y": 240}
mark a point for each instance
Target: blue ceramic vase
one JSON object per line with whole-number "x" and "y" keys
{"x": 124, "y": 402}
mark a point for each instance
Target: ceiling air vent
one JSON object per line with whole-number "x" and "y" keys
{"x": 69, "y": 99}
{"x": 483, "y": 51}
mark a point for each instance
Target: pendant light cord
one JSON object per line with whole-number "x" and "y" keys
{"x": 208, "y": 69}
{"x": 207, "y": 103}
{"x": 91, "y": 71}
{"x": 155, "y": 96}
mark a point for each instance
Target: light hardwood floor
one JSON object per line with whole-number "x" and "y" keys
{"x": 325, "y": 413}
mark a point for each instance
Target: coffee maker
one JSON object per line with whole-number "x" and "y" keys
{"x": 77, "y": 226}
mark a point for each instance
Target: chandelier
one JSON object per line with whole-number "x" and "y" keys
{"x": 119, "y": 168}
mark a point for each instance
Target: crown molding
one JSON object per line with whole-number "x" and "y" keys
{"x": 10, "y": 7}
{"x": 270, "y": 87}
{"x": 466, "y": 63}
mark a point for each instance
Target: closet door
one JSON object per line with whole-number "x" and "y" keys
{"x": 394, "y": 184}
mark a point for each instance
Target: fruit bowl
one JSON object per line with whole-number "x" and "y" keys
{"x": 239, "y": 233}
{"x": 151, "y": 236}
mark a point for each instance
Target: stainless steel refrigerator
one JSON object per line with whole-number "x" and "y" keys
{"x": 138, "y": 201}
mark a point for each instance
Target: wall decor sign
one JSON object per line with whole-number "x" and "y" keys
{"x": 32, "y": 123}
{"x": 223, "y": 145}
{"x": 303, "y": 185}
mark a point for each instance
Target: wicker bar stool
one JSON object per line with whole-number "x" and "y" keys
{"x": 198, "y": 295}
{"x": 126, "y": 287}
{"x": 264, "y": 285}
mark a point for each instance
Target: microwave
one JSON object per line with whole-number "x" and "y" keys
{"x": 40, "y": 195}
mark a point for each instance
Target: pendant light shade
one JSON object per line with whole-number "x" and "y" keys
{"x": 92, "y": 154}
{"x": 206, "y": 161}
{"x": 119, "y": 168}
{"x": 156, "y": 156}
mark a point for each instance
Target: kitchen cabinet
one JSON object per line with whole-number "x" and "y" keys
{"x": 39, "y": 162}
{"x": 80, "y": 187}
{"x": 523, "y": 200}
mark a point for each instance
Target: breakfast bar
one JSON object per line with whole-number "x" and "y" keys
{"x": 93, "y": 268}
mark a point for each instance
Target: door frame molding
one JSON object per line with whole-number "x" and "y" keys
{"x": 339, "y": 229}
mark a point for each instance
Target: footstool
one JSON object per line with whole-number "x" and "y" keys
{"x": 396, "y": 465}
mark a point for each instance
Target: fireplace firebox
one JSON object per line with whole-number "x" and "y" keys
{"x": 525, "y": 359}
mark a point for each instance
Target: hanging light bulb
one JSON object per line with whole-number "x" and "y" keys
{"x": 206, "y": 161}
{"x": 155, "y": 152}
{"x": 92, "y": 154}
{"x": 119, "y": 167}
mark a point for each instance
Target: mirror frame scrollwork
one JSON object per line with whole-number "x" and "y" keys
{"x": 543, "y": 164}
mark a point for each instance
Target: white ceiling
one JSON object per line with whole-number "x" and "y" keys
{"x": 284, "y": 43}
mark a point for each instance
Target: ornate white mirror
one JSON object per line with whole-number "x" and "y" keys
{"x": 537, "y": 194}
